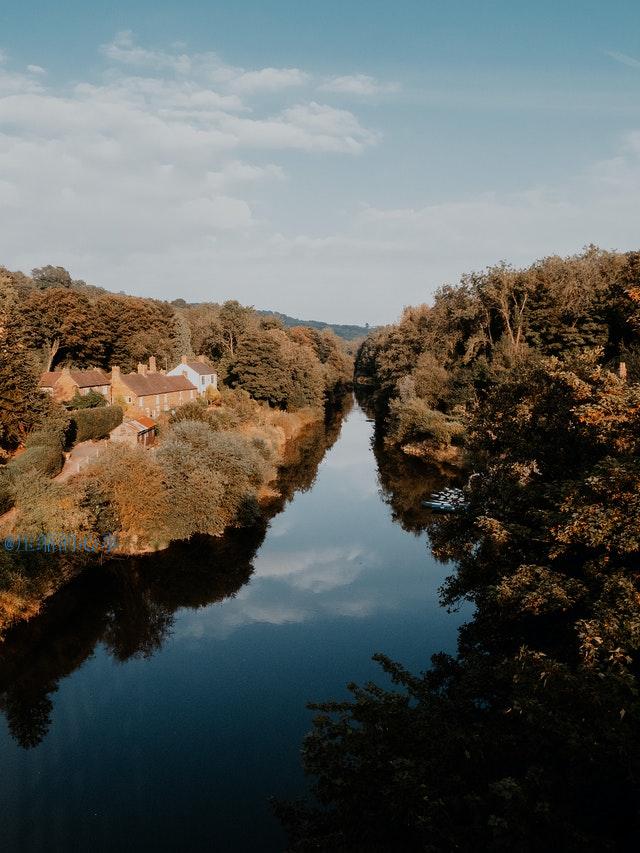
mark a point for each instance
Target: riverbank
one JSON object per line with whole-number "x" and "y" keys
{"x": 250, "y": 457}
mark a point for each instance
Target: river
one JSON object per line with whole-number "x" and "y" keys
{"x": 157, "y": 705}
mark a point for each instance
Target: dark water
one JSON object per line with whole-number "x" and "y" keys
{"x": 156, "y": 705}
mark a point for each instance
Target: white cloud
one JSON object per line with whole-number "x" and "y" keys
{"x": 36, "y": 69}
{"x": 162, "y": 178}
{"x": 357, "y": 84}
{"x": 270, "y": 80}
{"x": 204, "y": 66}
{"x": 623, "y": 58}
{"x": 124, "y": 49}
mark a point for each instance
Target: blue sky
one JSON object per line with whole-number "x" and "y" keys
{"x": 334, "y": 160}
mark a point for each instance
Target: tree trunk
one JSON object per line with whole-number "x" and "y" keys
{"x": 53, "y": 351}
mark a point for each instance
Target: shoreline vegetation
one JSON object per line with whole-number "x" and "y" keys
{"x": 128, "y": 604}
{"x": 425, "y": 376}
{"x": 527, "y": 738}
{"x": 216, "y": 459}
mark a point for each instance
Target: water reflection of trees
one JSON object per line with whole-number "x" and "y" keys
{"x": 406, "y": 481}
{"x": 128, "y": 604}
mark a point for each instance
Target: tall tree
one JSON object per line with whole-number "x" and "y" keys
{"x": 63, "y": 324}
{"x": 18, "y": 371}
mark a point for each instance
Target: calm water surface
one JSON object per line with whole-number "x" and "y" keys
{"x": 160, "y": 714}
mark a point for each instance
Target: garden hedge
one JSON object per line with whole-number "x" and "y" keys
{"x": 96, "y": 423}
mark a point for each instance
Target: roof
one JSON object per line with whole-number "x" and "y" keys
{"x": 82, "y": 378}
{"x": 138, "y": 425}
{"x": 156, "y": 383}
{"x": 49, "y": 378}
{"x": 199, "y": 367}
{"x": 146, "y": 422}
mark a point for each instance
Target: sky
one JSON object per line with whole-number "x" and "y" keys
{"x": 332, "y": 161}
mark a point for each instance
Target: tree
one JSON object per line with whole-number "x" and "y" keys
{"x": 260, "y": 367}
{"x": 138, "y": 328}
{"x": 64, "y": 325}
{"x": 50, "y": 276}
{"x": 19, "y": 398}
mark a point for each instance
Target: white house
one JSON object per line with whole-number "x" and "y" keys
{"x": 198, "y": 371}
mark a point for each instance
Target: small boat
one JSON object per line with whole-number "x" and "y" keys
{"x": 446, "y": 500}
{"x": 439, "y": 506}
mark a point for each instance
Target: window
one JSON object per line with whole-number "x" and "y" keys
{"x": 202, "y": 380}
{"x": 141, "y": 401}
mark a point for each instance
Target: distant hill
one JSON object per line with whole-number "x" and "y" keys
{"x": 348, "y": 333}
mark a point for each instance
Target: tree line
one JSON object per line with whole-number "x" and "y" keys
{"x": 428, "y": 372}
{"x": 49, "y": 320}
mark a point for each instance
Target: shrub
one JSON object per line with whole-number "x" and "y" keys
{"x": 45, "y": 506}
{"x": 240, "y": 402}
{"x": 412, "y": 420}
{"x": 196, "y": 410}
{"x": 223, "y": 419}
{"x": 6, "y": 494}
{"x": 45, "y": 459}
{"x": 125, "y": 489}
{"x": 45, "y": 438}
{"x": 91, "y": 400}
{"x": 211, "y": 476}
{"x": 96, "y": 423}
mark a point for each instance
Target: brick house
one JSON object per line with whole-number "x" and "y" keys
{"x": 198, "y": 371}
{"x": 63, "y": 384}
{"x": 150, "y": 392}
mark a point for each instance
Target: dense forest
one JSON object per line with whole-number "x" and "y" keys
{"x": 529, "y": 738}
{"x": 429, "y": 372}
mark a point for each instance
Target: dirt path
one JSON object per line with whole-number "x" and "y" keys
{"x": 81, "y": 455}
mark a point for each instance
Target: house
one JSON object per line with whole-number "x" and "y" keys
{"x": 64, "y": 384}
{"x": 150, "y": 392}
{"x": 140, "y": 430}
{"x": 198, "y": 371}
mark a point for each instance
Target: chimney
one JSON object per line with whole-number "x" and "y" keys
{"x": 115, "y": 371}
{"x": 142, "y": 368}
{"x": 622, "y": 371}
{"x": 184, "y": 359}
{"x": 66, "y": 371}
{"x": 152, "y": 364}
{"x": 202, "y": 359}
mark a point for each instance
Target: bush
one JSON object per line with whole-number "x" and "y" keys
{"x": 91, "y": 400}
{"x": 240, "y": 402}
{"x": 223, "y": 419}
{"x": 45, "y": 438}
{"x": 45, "y": 459}
{"x": 412, "y": 420}
{"x": 6, "y": 493}
{"x": 96, "y": 423}
{"x": 196, "y": 410}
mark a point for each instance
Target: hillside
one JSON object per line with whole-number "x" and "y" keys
{"x": 346, "y": 332}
